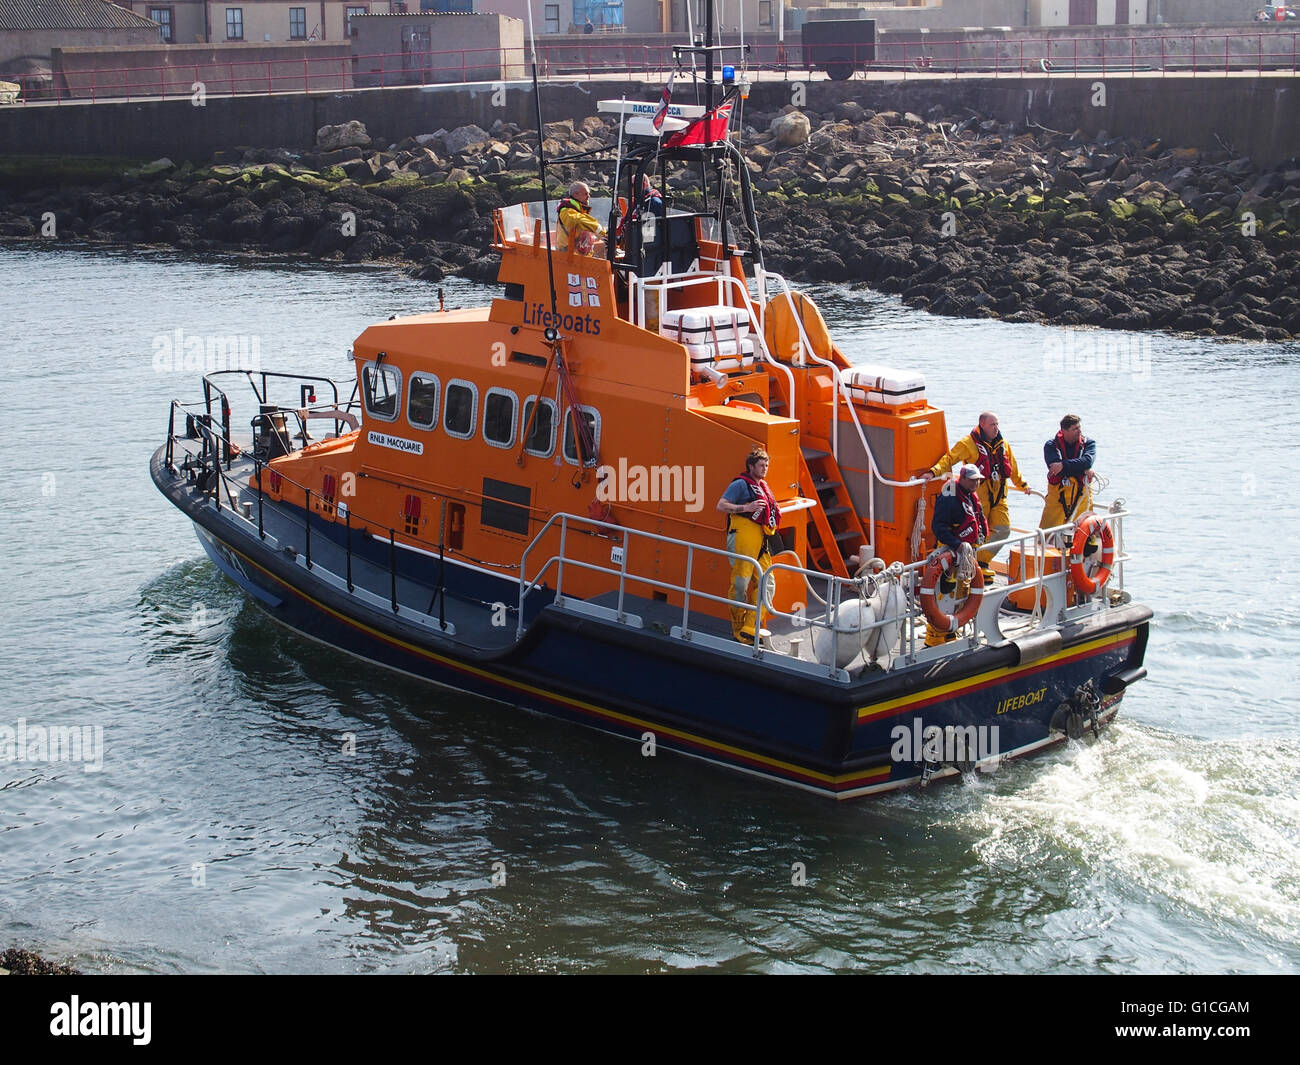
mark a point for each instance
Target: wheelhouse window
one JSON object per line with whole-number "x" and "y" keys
{"x": 422, "y": 405}
{"x": 552, "y": 15}
{"x": 499, "y": 417}
{"x": 541, "y": 430}
{"x": 383, "y": 389}
{"x": 578, "y": 451}
{"x": 297, "y": 23}
{"x": 462, "y": 404}
{"x": 234, "y": 23}
{"x": 351, "y": 11}
{"x": 765, "y": 13}
{"x": 162, "y": 16}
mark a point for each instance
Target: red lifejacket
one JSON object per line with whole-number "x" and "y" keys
{"x": 991, "y": 458}
{"x": 770, "y": 516}
{"x": 974, "y": 526}
{"x": 1063, "y": 449}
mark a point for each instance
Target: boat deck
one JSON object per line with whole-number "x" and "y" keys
{"x": 470, "y": 622}
{"x": 479, "y": 626}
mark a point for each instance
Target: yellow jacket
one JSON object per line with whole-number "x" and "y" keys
{"x": 574, "y": 219}
{"x": 965, "y": 450}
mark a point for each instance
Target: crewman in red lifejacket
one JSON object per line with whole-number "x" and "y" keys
{"x": 958, "y": 519}
{"x": 984, "y": 447}
{"x": 577, "y": 226}
{"x": 1069, "y": 456}
{"x": 752, "y": 518}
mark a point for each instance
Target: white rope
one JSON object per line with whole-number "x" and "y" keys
{"x": 918, "y": 530}
{"x": 966, "y": 564}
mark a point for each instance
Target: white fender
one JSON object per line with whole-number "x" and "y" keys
{"x": 889, "y": 602}
{"x": 846, "y": 640}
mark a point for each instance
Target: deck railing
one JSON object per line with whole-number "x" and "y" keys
{"x": 210, "y": 468}
{"x": 1049, "y": 590}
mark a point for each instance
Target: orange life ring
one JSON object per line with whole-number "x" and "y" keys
{"x": 930, "y": 599}
{"x": 1085, "y": 529}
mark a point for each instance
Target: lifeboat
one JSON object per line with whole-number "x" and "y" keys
{"x": 520, "y": 500}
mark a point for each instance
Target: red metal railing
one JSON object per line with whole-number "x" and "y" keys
{"x": 1181, "y": 54}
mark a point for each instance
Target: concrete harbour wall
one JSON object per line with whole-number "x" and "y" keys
{"x": 1254, "y": 115}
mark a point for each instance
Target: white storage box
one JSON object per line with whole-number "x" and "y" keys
{"x": 703, "y": 325}
{"x": 725, "y": 355}
{"x": 884, "y": 386}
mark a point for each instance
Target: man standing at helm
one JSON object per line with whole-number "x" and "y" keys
{"x": 985, "y": 449}
{"x": 1069, "y": 456}
{"x": 752, "y": 517}
{"x": 577, "y": 226}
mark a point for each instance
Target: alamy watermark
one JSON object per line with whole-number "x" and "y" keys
{"x": 651, "y": 484}
{"x": 177, "y": 351}
{"x": 943, "y": 744}
{"x": 1098, "y": 352}
{"x": 53, "y": 743}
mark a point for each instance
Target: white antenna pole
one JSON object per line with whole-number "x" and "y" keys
{"x": 532, "y": 37}
{"x": 780, "y": 21}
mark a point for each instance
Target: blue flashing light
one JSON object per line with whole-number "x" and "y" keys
{"x": 728, "y": 75}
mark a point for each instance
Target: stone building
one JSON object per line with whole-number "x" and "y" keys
{"x": 29, "y": 29}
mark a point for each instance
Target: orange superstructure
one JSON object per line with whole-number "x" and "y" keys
{"x": 594, "y": 386}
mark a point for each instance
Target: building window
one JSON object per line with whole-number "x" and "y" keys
{"x": 234, "y": 23}
{"x": 765, "y": 14}
{"x": 162, "y": 16}
{"x": 297, "y": 23}
{"x": 552, "y": 15}
{"x": 355, "y": 11}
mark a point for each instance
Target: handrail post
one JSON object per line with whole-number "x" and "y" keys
{"x": 392, "y": 566}
{"x": 257, "y": 469}
{"x": 171, "y": 436}
{"x": 622, "y": 576}
{"x": 307, "y": 525}
{"x": 686, "y": 591}
{"x": 225, "y": 429}
{"x": 347, "y": 544}
{"x": 559, "y": 569}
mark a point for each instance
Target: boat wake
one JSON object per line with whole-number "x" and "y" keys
{"x": 1211, "y": 827}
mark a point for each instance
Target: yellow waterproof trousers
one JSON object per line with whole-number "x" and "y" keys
{"x": 1054, "y": 514}
{"x": 999, "y": 518}
{"x": 745, "y": 537}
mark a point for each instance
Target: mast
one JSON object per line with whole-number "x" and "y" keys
{"x": 708, "y": 56}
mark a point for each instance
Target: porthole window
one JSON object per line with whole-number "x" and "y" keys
{"x": 499, "y": 409}
{"x": 382, "y": 385}
{"x": 422, "y": 404}
{"x": 462, "y": 405}
{"x": 541, "y": 435}
{"x": 572, "y": 441}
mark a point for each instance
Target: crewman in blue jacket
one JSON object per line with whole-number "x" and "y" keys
{"x": 958, "y": 519}
{"x": 1069, "y": 456}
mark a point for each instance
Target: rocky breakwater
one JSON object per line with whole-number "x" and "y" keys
{"x": 957, "y": 214}
{"x": 967, "y": 217}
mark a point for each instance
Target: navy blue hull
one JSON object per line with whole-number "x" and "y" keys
{"x": 812, "y": 732}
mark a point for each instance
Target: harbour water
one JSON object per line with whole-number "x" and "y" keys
{"x": 265, "y": 804}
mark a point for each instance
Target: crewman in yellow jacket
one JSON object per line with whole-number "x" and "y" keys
{"x": 984, "y": 447}
{"x": 577, "y": 226}
{"x": 752, "y": 517}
